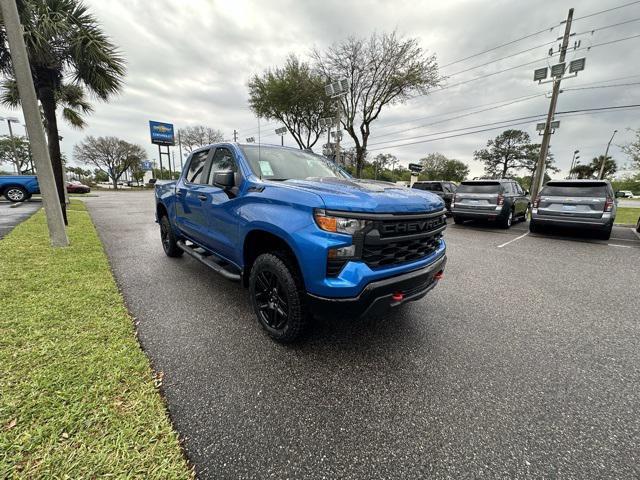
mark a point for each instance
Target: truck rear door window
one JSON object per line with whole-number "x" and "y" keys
{"x": 197, "y": 166}
{"x": 575, "y": 190}
{"x": 479, "y": 187}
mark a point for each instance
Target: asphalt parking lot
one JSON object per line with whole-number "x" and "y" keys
{"x": 11, "y": 214}
{"x": 523, "y": 363}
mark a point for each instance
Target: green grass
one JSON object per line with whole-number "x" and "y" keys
{"x": 627, "y": 215}
{"x": 77, "y": 394}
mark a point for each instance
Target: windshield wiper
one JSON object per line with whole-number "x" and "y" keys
{"x": 277, "y": 179}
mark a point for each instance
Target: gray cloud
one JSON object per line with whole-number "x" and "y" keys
{"x": 189, "y": 63}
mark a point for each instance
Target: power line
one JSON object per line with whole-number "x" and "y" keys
{"x": 547, "y": 29}
{"x": 606, "y": 11}
{"x": 568, "y": 113}
{"x": 526, "y": 64}
{"x": 540, "y": 46}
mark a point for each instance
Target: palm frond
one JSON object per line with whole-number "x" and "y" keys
{"x": 73, "y": 118}
{"x": 9, "y": 96}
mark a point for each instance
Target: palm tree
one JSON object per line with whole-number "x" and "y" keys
{"x": 69, "y": 54}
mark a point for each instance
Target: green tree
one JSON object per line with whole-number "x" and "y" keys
{"x": 109, "y": 155}
{"x": 381, "y": 162}
{"x": 633, "y": 150}
{"x": 199, "y": 136}
{"x": 592, "y": 170}
{"x": 19, "y": 145}
{"x": 436, "y": 166}
{"x": 529, "y": 162}
{"x": 137, "y": 172}
{"x": 66, "y": 46}
{"x": 506, "y": 152}
{"x": 382, "y": 70}
{"x": 293, "y": 95}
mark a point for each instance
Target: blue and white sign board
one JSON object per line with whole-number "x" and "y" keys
{"x": 147, "y": 166}
{"x": 161, "y": 133}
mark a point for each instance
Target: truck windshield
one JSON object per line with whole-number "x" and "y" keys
{"x": 274, "y": 163}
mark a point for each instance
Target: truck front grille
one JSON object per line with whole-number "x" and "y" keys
{"x": 399, "y": 252}
{"x": 409, "y": 238}
{"x": 393, "y": 239}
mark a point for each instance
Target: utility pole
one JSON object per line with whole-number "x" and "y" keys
{"x": 546, "y": 137}
{"x": 180, "y": 150}
{"x": 606, "y": 153}
{"x": 338, "y": 132}
{"x": 31, "y": 112}
{"x": 235, "y": 135}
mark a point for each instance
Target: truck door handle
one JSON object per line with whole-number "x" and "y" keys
{"x": 202, "y": 197}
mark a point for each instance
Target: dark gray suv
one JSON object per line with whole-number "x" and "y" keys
{"x": 583, "y": 204}
{"x": 445, "y": 190}
{"x": 502, "y": 201}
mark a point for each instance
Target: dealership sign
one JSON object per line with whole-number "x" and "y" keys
{"x": 161, "y": 133}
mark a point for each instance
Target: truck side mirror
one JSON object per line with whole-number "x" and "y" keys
{"x": 224, "y": 179}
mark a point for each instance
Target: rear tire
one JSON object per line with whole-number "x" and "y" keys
{"x": 16, "y": 194}
{"x": 507, "y": 222}
{"x": 277, "y": 296}
{"x": 525, "y": 215}
{"x": 605, "y": 234}
{"x": 169, "y": 240}
{"x": 534, "y": 227}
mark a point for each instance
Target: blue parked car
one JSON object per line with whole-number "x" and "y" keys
{"x": 18, "y": 188}
{"x": 299, "y": 232}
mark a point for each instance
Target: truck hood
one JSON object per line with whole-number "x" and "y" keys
{"x": 358, "y": 195}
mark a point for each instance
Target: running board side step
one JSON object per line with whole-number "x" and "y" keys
{"x": 208, "y": 261}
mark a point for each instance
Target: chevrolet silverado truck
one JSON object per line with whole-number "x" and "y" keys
{"x": 18, "y": 188}
{"x": 301, "y": 234}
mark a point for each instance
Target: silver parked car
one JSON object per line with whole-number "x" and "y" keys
{"x": 582, "y": 204}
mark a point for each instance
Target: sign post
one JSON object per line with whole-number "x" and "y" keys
{"x": 162, "y": 135}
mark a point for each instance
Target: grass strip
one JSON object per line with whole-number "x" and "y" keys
{"x": 627, "y": 215}
{"x": 77, "y": 394}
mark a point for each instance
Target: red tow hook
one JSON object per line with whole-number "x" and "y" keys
{"x": 439, "y": 275}
{"x": 397, "y": 296}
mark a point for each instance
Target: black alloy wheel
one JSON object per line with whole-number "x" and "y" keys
{"x": 273, "y": 307}
{"x": 278, "y": 296}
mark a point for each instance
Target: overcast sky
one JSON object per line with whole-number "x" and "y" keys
{"x": 189, "y": 61}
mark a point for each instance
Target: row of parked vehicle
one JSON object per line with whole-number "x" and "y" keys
{"x": 578, "y": 204}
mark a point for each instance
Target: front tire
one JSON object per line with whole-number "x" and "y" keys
{"x": 169, "y": 240}
{"x": 16, "y": 194}
{"x": 277, "y": 296}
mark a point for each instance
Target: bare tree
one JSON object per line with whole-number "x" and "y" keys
{"x": 110, "y": 155}
{"x": 382, "y": 70}
{"x": 199, "y": 136}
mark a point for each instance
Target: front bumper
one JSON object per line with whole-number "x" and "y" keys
{"x": 381, "y": 295}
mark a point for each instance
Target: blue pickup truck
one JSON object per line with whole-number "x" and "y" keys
{"x": 18, "y": 188}
{"x": 304, "y": 236}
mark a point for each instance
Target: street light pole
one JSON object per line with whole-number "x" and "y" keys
{"x": 572, "y": 162}
{"x": 31, "y": 111}
{"x": 606, "y": 153}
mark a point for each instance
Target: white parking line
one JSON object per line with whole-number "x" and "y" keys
{"x": 513, "y": 240}
{"x": 621, "y": 246}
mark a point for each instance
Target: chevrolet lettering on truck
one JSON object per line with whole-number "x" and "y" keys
{"x": 301, "y": 234}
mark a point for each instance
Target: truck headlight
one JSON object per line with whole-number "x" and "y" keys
{"x": 329, "y": 223}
